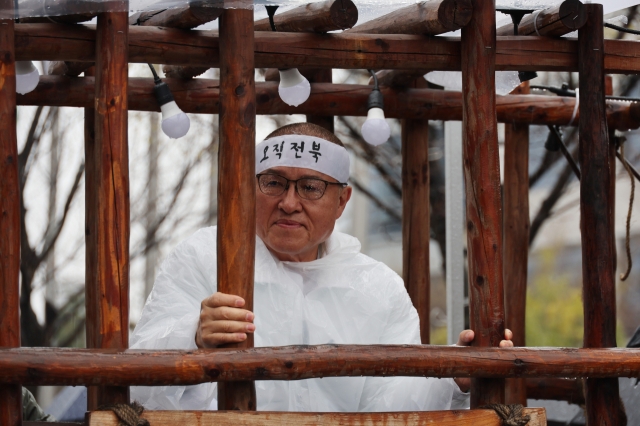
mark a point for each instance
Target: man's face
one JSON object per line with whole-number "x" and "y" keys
{"x": 292, "y": 227}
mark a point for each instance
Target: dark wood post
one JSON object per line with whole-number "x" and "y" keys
{"x": 596, "y": 217}
{"x": 416, "y": 216}
{"x": 10, "y": 395}
{"x": 320, "y": 76}
{"x": 482, "y": 182}
{"x": 516, "y": 239}
{"x": 107, "y": 259}
{"x": 237, "y": 181}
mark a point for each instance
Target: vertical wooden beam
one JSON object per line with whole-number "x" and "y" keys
{"x": 108, "y": 222}
{"x": 597, "y": 162}
{"x": 416, "y": 217}
{"x": 324, "y": 75}
{"x": 10, "y": 395}
{"x": 482, "y": 182}
{"x": 516, "y": 239}
{"x": 237, "y": 181}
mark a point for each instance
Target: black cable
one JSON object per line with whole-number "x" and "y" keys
{"x": 271, "y": 11}
{"x": 375, "y": 80}
{"x": 563, "y": 91}
{"x": 621, "y": 29}
{"x": 156, "y": 79}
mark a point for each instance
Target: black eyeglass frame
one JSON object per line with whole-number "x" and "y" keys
{"x": 286, "y": 187}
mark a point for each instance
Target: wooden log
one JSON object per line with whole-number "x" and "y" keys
{"x": 54, "y": 42}
{"x": 201, "y": 96}
{"x": 442, "y": 418}
{"x": 186, "y": 17}
{"x": 516, "y": 239}
{"x": 108, "y": 310}
{"x": 320, "y": 76}
{"x": 10, "y": 394}
{"x": 558, "y": 20}
{"x": 415, "y": 217}
{"x": 236, "y": 175}
{"x": 482, "y": 185}
{"x": 570, "y": 390}
{"x": 428, "y": 18}
{"x": 399, "y": 79}
{"x": 73, "y": 367}
{"x": 183, "y": 73}
{"x": 317, "y": 17}
{"x": 597, "y": 159}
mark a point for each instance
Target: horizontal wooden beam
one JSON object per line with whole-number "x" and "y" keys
{"x": 317, "y": 17}
{"x": 189, "y": 16}
{"x": 266, "y": 418}
{"x": 557, "y": 20}
{"x": 58, "y": 366}
{"x": 54, "y": 42}
{"x": 201, "y": 96}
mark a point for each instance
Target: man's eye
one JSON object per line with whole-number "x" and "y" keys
{"x": 274, "y": 183}
{"x": 312, "y": 186}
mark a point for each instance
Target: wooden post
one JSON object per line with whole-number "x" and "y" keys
{"x": 107, "y": 301}
{"x": 237, "y": 181}
{"x": 482, "y": 182}
{"x": 320, "y": 76}
{"x": 10, "y": 395}
{"x": 516, "y": 238}
{"x": 597, "y": 162}
{"x": 416, "y": 217}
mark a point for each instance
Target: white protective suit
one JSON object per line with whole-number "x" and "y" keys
{"x": 344, "y": 297}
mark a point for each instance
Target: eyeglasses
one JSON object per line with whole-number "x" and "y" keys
{"x": 306, "y": 188}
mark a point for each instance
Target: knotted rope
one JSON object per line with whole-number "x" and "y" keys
{"x": 128, "y": 414}
{"x": 511, "y": 414}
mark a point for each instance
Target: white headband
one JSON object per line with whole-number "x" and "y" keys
{"x": 308, "y": 152}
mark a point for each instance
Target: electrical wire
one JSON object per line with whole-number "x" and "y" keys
{"x": 621, "y": 29}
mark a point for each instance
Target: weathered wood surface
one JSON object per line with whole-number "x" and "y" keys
{"x": 236, "y": 177}
{"x": 482, "y": 186}
{"x": 320, "y": 76}
{"x": 73, "y": 367}
{"x": 570, "y": 390}
{"x": 108, "y": 307}
{"x": 557, "y": 20}
{"x": 54, "y": 42}
{"x": 201, "y": 96}
{"x": 597, "y": 201}
{"x": 516, "y": 238}
{"x": 398, "y": 79}
{"x": 185, "y": 17}
{"x": 416, "y": 217}
{"x": 428, "y": 18}
{"x": 222, "y": 418}
{"x": 10, "y": 394}
{"x": 317, "y": 17}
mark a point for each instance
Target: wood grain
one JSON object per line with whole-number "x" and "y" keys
{"x": 516, "y": 238}
{"x": 10, "y": 394}
{"x": 416, "y": 217}
{"x": 236, "y": 177}
{"x": 428, "y": 18}
{"x": 597, "y": 159}
{"x": 185, "y": 17}
{"x": 202, "y": 96}
{"x": 108, "y": 311}
{"x": 316, "y": 17}
{"x": 482, "y": 186}
{"x": 221, "y": 418}
{"x": 556, "y": 20}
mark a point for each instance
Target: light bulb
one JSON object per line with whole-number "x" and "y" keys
{"x": 294, "y": 88}
{"x": 175, "y": 123}
{"x": 27, "y": 77}
{"x": 375, "y": 129}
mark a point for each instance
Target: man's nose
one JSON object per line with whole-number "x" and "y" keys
{"x": 290, "y": 201}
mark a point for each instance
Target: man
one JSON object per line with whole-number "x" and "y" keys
{"x": 312, "y": 286}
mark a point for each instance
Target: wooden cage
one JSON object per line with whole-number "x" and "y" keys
{"x": 405, "y": 50}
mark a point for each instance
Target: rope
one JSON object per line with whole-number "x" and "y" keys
{"x": 128, "y": 414}
{"x": 535, "y": 20}
{"x": 575, "y": 107}
{"x": 624, "y": 276}
{"x": 511, "y": 414}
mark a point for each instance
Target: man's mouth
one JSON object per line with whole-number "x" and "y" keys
{"x": 288, "y": 224}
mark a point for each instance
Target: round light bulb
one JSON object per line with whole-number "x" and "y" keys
{"x": 294, "y": 88}
{"x": 27, "y": 77}
{"x": 375, "y": 129}
{"x": 175, "y": 123}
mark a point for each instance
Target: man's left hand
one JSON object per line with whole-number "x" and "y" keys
{"x": 465, "y": 339}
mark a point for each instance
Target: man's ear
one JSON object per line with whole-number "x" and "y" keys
{"x": 343, "y": 199}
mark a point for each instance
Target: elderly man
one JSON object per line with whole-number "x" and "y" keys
{"x": 312, "y": 286}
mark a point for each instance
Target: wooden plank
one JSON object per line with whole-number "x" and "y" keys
{"x": 427, "y": 17}
{"x": 236, "y": 177}
{"x": 556, "y": 20}
{"x": 202, "y": 96}
{"x": 482, "y": 186}
{"x": 597, "y": 159}
{"x": 266, "y": 418}
{"x": 416, "y": 212}
{"x": 56, "y": 366}
{"x": 316, "y": 17}
{"x": 108, "y": 311}
{"x": 10, "y": 394}
{"x": 516, "y": 239}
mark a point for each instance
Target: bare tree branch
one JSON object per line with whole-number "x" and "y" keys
{"x": 390, "y": 211}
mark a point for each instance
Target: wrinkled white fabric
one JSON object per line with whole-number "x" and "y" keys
{"x": 344, "y": 297}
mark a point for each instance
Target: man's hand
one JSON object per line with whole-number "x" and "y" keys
{"x": 222, "y": 320}
{"x": 465, "y": 339}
